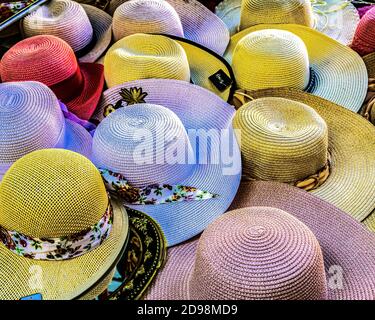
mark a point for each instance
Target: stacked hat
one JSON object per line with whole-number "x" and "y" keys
{"x": 51, "y": 61}
{"x": 189, "y": 19}
{"x": 368, "y": 110}
{"x": 85, "y": 28}
{"x": 31, "y": 119}
{"x": 364, "y": 42}
{"x": 338, "y": 19}
{"x": 296, "y": 56}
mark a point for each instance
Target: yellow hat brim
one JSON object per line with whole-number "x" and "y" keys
{"x": 63, "y": 280}
{"x": 350, "y": 185}
{"x": 341, "y": 73}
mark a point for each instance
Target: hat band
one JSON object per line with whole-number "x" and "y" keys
{"x": 70, "y": 88}
{"x": 62, "y": 248}
{"x": 152, "y": 194}
{"x": 370, "y": 101}
{"x": 90, "y": 127}
{"x": 86, "y": 49}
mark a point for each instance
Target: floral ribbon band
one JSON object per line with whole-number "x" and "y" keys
{"x": 62, "y": 248}
{"x": 368, "y": 107}
{"x": 152, "y": 194}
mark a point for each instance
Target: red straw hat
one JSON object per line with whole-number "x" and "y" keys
{"x": 50, "y": 60}
{"x": 364, "y": 40}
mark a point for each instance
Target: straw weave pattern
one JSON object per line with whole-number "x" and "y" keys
{"x": 364, "y": 41}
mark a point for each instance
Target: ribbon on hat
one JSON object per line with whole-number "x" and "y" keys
{"x": 152, "y": 194}
{"x": 62, "y": 248}
{"x": 370, "y": 101}
{"x": 318, "y": 3}
{"x": 90, "y": 127}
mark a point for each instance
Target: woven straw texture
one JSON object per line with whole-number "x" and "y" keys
{"x": 31, "y": 119}
{"x": 350, "y": 185}
{"x": 198, "y": 23}
{"x": 50, "y": 60}
{"x": 363, "y": 41}
{"x": 340, "y": 74}
{"x": 61, "y": 193}
{"x": 370, "y": 64}
{"x": 321, "y": 218}
{"x": 143, "y": 56}
{"x": 100, "y": 288}
{"x": 337, "y": 19}
{"x": 196, "y": 108}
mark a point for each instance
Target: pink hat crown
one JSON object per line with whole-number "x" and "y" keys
{"x": 258, "y": 253}
{"x": 364, "y": 40}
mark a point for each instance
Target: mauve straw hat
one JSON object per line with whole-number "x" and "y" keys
{"x": 145, "y": 56}
{"x": 188, "y": 19}
{"x": 368, "y": 110}
{"x": 337, "y": 19}
{"x": 364, "y": 42}
{"x": 268, "y": 56}
{"x": 88, "y": 30}
{"x": 31, "y": 119}
{"x": 183, "y": 116}
{"x": 68, "y": 230}
{"x": 297, "y": 138}
{"x": 50, "y": 60}
{"x": 278, "y": 242}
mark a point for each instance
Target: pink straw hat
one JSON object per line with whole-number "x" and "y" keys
{"x": 364, "y": 40}
{"x": 279, "y": 242}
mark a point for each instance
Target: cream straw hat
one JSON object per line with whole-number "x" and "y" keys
{"x": 338, "y": 19}
{"x": 267, "y": 56}
{"x": 297, "y": 138}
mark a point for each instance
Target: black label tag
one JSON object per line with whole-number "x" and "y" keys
{"x": 220, "y": 80}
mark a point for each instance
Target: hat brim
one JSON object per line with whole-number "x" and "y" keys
{"x": 350, "y": 185}
{"x": 339, "y": 24}
{"x": 199, "y": 23}
{"x": 67, "y": 279}
{"x": 197, "y": 108}
{"x": 357, "y": 260}
{"x": 102, "y": 26}
{"x": 85, "y": 104}
{"x": 370, "y": 64}
{"x": 341, "y": 75}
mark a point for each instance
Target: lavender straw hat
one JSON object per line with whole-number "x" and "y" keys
{"x": 186, "y": 19}
{"x": 87, "y": 29}
{"x": 279, "y": 242}
{"x": 31, "y": 119}
{"x": 176, "y": 118}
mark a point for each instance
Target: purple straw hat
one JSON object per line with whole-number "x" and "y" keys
{"x": 31, "y": 119}
{"x": 278, "y": 242}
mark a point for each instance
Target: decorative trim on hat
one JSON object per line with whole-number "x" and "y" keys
{"x": 368, "y": 107}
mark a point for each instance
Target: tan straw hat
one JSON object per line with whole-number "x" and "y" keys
{"x": 368, "y": 110}
{"x": 268, "y": 56}
{"x": 297, "y": 138}
{"x": 337, "y": 19}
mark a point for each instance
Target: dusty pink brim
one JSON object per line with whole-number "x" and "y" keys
{"x": 345, "y": 243}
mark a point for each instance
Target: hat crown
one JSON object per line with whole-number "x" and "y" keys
{"x": 363, "y": 41}
{"x": 258, "y": 253}
{"x": 146, "y": 16}
{"x": 52, "y": 193}
{"x": 44, "y": 58}
{"x": 31, "y": 119}
{"x": 271, "y": 59}
{"x": 254, "y": 12}
{"x": 139, "y": 142}
{"x": 143, "y": 56}
{"x": 282, "y": 140}
{"x": 65, "y": 19}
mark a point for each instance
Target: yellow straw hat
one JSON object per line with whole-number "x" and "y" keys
{"x": 297, "y": 138}
{"x": 296, "y": 56}
{"x": 145, "y": 56}
{"x": 59, "y": 232}
{"x": 338, "y": 19}
{"x": 368, "y": 110}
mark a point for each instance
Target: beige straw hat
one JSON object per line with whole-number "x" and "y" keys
{"x": 187, "y": 19}
{"x": 368, "y": 110}
{"x": 297, "y": 138}
{"x": 268, "y": 56}
{"x": 337, "y": 19}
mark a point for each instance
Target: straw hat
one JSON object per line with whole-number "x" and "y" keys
{"x": 31, "y": 119}
{"x": 85, "y": 28}
{"x": 66, "y": 236}
{"x": 259, "y": 250}
{"x": 170, "y": 109}
{"x": 294, "y": 137}
{"x": 295, "y": 56}
{"x": 364, "y": 42}
{"x": 50, "y": 60}
{"x": 142, "y": 56}
{"x": 189, "y": 19}
{"x": 337, "y": 19}
{"x": 368, "y": 110}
